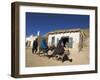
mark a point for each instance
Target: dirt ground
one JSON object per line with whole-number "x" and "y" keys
{"x": 34, "y": 60}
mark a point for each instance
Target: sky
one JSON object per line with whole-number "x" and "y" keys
{"x": 46, "y": 22}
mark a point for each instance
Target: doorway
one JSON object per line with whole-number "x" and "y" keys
{"x": 67, "y": 41}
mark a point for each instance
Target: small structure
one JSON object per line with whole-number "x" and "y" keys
{"x": 72, "y": 38}
{"x": 29, "y": 40}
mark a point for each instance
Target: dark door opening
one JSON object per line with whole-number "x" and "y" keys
{"x": 67, "y": 41}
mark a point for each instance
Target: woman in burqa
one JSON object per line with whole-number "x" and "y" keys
{"x": 59, "y": 50}
{"x": 43, "y": 46}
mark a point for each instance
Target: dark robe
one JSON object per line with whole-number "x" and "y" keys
{"x": 59, "y": 50}
{"x": 35, "y": 46}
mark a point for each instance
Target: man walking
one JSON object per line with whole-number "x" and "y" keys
{"x": 35, "y": 46}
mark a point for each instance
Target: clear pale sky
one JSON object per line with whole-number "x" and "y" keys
{"x": 46, "y": 22}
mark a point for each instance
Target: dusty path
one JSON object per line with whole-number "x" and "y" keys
{"x": 33, "y": 60}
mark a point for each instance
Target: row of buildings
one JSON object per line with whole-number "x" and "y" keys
{"x": 72, "y": 38}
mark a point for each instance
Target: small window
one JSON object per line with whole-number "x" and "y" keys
{"x": 70, "y": 42}
{"x": 53, "y": 40}
{"x": 57, "y": 40}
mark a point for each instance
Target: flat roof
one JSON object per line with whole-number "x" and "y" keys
{"x": 64, "y": 31}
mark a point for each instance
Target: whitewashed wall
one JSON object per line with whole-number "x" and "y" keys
{"x": 31, "y": 39}
{"x": 74, "y": 35}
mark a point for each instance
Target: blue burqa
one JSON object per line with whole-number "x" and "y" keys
{"x": 43, "y": 46}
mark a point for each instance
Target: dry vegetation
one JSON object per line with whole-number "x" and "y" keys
{"x": 85, "y": 33}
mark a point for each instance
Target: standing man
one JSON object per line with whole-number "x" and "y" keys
{"x": 35, "y": 46}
